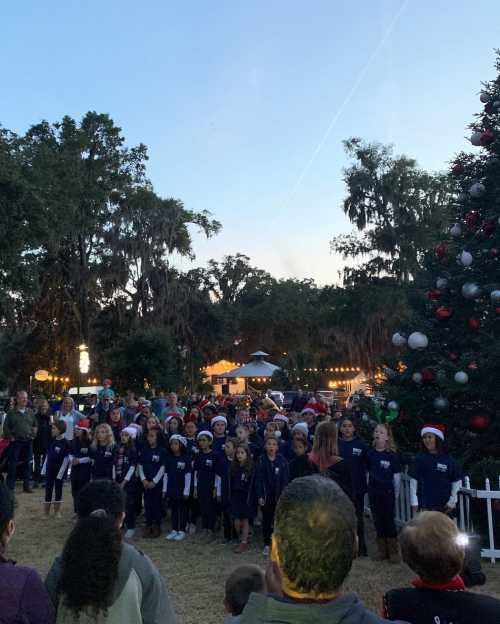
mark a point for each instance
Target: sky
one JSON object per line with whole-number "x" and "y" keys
{"x": 244, "y": 104}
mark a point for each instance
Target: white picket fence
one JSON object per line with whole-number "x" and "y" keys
{"x": 465, "y": 522}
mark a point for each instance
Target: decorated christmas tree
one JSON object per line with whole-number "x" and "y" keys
{"x": 446, "y": 365}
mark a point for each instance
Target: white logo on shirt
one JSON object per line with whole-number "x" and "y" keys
{"x": 181, "y": 465}
{"x": 84, "y": 451}
{"x": 276, "y": 470}
{"x": 107, "y": 454}
{"x": 356, "y": 451}
{"x": 441, "y": 467}
{"x": 208, "y": 462}
{"x": 58, "y": 449}
{"x": 155, "y": 458}
{"x": 385, "y": 464}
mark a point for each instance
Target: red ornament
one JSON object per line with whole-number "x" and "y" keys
{"x": 493, "y": 252}
{"x": 474, "y": 324}
{"x": 443, "y": 313}
{"x": 487, "y": 137}
{"x": 472, "y": 365}
{"x": 428, "y": 374}
{"x": 479, "y": 423}
{"x": 433, "y": 294}
{"x": 488, "y": 107}
{"x": 488, "y": 227}
{"x": 458, "y": 169}
{"x": 471, "y": 218}
{"x": 441, "y": 251}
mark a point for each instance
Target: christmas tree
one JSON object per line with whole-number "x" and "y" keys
{"x": 446, "y": 367}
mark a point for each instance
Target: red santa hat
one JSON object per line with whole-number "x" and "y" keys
{"x": 437, "y": 430}
{"x": 83, "y": 424}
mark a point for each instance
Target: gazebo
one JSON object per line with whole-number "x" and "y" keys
{"x": 258, "y": 368}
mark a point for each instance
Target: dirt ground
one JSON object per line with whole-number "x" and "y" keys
{"x": 195, "y": 573}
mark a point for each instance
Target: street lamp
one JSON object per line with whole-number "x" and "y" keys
{"x": 83, "y": 363}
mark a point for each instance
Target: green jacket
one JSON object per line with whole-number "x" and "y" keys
{"x": 20, "y": 425}
{"x": 347, "y": 609}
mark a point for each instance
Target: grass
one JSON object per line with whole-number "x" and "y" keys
{"x": 195, "y": 572}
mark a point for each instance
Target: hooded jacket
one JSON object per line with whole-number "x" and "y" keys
{"x": 347, "y": 609}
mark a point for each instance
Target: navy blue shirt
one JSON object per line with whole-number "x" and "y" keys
{"x": 382, "y": 466}
{"x": 271, "y": 477}
{"x": 152, "y": 460}
{"x": 103, "y": 458}
{"x": 218, "y": 445}
{"x": 82, "y": 470}
{"x": 128, "y": 466}
{"x": 178, "y": 473}
{"x": 434, "y": 474}
{"x": 241, "y": 480}
{"x": 223, "y": 470}
{"x": 205, "y": 465}
{"x": 56, "y": 454}
{"x": 353, "y": 452}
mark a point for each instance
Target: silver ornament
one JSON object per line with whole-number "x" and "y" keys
{"x": 495, "y": 296}
{"x": 417, "y": 340}
{"x": 461, "y": 377}
{"x": 456, "y": 230}
{"x": 441, "y": 283}
{"x": 417, "y": 377}
{"x": 392, "y": 405}
{"x": 476, "y": 190}
{"x": 465, "y": 258}
{"x": 398, "y": 340}
{"x": 475, "y": 138}
{"x": 441, "y": 403}
{"x": 470, "y": 290}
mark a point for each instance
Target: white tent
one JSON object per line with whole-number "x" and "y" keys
{"x": 257, "y": 367}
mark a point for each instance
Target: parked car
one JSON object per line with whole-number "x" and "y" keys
{"x": 277, "y": 397}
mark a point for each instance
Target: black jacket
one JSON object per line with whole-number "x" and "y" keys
{"x": 42, "y": 439}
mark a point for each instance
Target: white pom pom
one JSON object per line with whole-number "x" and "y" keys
{"x": 392, "y": 405}
{"x": 475, "y": 138}
{"x": 461, "y": 377}
{"x": 470, "y": 290}
{"x": 441, "y": 283}
{"x": 476, "y": 190}
{"x": 417, "y": 340}
{"x": 417, "y": 377}
{"x": 398, "y": 340}
{"x": 456, "y": 230}
{"x": 465, "y": 258}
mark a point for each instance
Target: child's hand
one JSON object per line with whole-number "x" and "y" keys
{"x": 195, "y": 493}
{"x": 262, "y": 502}
{"x": 75, "y": 461}
{"x": 123, "y": 484}
{"x": 145, "y": 483}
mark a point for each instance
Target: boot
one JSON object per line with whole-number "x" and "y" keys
{"x": 382, "y": 552}
{"x": 57, "y": 510}
{"x": 393, "y": 549}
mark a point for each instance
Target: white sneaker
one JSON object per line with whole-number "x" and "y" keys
{"x": 129, "y": 534}
{"x": 266, "y": 551}
{"x": 180, "y": 536}
{"x": 172, "y": 535}
{"x": 192, "y": 529}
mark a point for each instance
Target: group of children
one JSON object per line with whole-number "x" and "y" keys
{"x": 226, "y": 474}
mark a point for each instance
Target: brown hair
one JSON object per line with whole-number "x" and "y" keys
{"x": 242, "y": 582}
{"x": 391, "y": 443}
{"x": 325, "y": 444}
{"x": 60, "y": 425}
{"x": 429, "y": 547}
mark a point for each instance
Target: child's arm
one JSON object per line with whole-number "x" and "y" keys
{"x": 218, "y": 486}
{"x": 396, "y": 481}
{"x": 142, "y": 476}
{"x": 452, "y": 501}
{"x": 159, "y": 475}
{"x": 64, "y": 465}
{"x": 187, "y": 484}
{"x": 43, "y": 472}
{"x": 165, "y": 484}
{"x": 413, "y": 492}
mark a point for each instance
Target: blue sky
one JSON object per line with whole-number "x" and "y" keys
{"x": 234, "y": 99}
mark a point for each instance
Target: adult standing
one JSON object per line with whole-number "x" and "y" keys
{"x": 172, "y": 408}
{"x": 299, "y": 402}
{"x": 99, "y": 577}
{"x": 70, "y": 416}
{"x": 23, "y": 597}
{"x": 20, "y": 427}
{"x": 42, "y": 439}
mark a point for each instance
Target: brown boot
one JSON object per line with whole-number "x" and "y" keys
{"x": 382, "y": 552}
{"x": 146, "y": 532}
{"x": 393, "y": 549}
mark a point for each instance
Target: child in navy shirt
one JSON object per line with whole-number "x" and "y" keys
{"x": 384, "y": 479}
{"x": 177, "y": 485}
{"x": 219, "y": 427}
{"x": 353, "y": 451}
{"x": 103, "y": 452}
{"x": 207, "y": 484}
{"x": 224, "y": 471}
{"x": 80, "y": 460}
{"x": 190, "y": 431}
{"x": 435, "y": 476}
{"x": 271, "y": 478}
{"x": 241, "y": 475}
{"x": 125, "y": 475}
{"x": 243, "y": 436}
{"x": 55, "y": 465}
{"x": 152, "y": 460}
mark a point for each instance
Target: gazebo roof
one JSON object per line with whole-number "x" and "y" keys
{"x": 257, "y": 367}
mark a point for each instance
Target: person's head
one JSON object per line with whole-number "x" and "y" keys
{"x": 312, "y": 512}
{"x": 271, "y": 445}
{"x": 128, "y": 436}
{"x": 347, "y": 429}
{"x": 103, "y": 435}
{"x": 383, "y": 438}
{"x": 433, "y": 438}
{"x": 230, "y": 447}
{"x": 204, "y": 439}
{"x": 325, "y": 444}
{"x": 68, "y": 405}
{"x": 299, "y": 446}
{"x": 190, "y": 429}
{"x": 93, "y": 549}
{"x": 242, "y": 455}
{"x": 146, "y": 410}
{"x": 106, "y": 384}
{"x": 242, "y": 433}
{"x": 271, "y": 428}
{"x": 106, "y": 403}
{"x": 172, "y": 399}
{"x": 141, "y": 420}
{"x": 152, "y": 438}
{"x": 7, "y": 526}
{"x": 115, "y": 415}
{"x": 58, "y": 428}
{"x": 21, "y": 399}
{"x": 300, "y": 429}
{"x": 194, "y": 412}
{"x": 308, "y": 415}
{"x": 245, "y": 580}
{"x": 219, "y": 424}
{"x": 177, "y": 444}
{"x": 174, "y": 424}
{"x": 152, "y": 423}
{"x": 431, "y": 547}
{"x": 281, "y": 421}
{"x": 43, "y": 406}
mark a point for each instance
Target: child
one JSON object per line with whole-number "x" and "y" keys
{"x": 299, "y": 430}
{"x": 300, "y": 466}
{"x": 384, "y": 479}
{"x": 177, "y": 485}
{"x": 152, "y": 460}
{"x": 282, "y": 422}
{"x": 243, "y": 436}
{"x": 106, "y": 391}
{"x": 207, "y": 484}
{"x": 271, "y": 478}
{"x": 173, "y": 426}
{"x": 353, "y": 451}
{"x": 55, "y": 465}
{"x": 219, "y": 426}
{"x": 125, "y": 475}
{"x": 245, "y": 580}
{"x": 241, "y": 475}
{"x": 224, "y": 471}
{"x": 81, "y": 464}
{"x": 190, "y": 431}
{"x": 435, "y": 474}
{"x": 103, "y": 451}
{"x": 433, "y": 548}
{"x": 116, "y": 423}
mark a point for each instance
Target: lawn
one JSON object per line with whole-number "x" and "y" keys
{"x": 195, "y": 572}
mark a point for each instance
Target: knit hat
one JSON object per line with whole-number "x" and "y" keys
{"x": 181, "y": 439}
{"x": 217, "y": 419}
{"x": 207, "y": 434}
{"x": 308, "y": 410}
{"x": 281, "y": 417}
{"x": 437, "y": 430}
{"x": 106, "y": 382}
{"x": 131, "y": 431}
{"x": 83, "y": 424}
{"x": 301, "y": 427}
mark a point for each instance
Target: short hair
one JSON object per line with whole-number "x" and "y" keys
{"x": 243, "y": 581}
{"x": 429, "y": 547}
{"x": 315, "y": 534}
{"x": 61, "y": 426}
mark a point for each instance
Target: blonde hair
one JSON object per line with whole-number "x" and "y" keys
{"x": 390, "y": 445}
{"x": 325, "y": 444}
{"x": 109, "y": 433}
{"x": 430, "y": 548}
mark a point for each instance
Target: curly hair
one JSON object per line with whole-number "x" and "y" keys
{"x": 93, "y": 549}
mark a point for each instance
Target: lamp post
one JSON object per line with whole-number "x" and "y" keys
{"x": 83, "y": 364}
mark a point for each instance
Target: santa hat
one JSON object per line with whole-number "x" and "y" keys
{"x": 207, "y": 434}
{"x": 106, "y": 382}
{"x": 217, "y": 419}
{"x": 281, "y": 417}
{"x": 181, "y": 439}
{"x": 131, "y": 431}
{"x": 83, "y": 424}
{"x": 308, "y": 410}
{"x": 169, "y": 418}
{"x": 437, "y": 430}
{"x": 301, "y": 427}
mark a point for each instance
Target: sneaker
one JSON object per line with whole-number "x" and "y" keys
{"x": 180, "y": 536}
{"x": 266, "y": 551}
{"x": 191, "y": 529}
{"x": 172, "y": 535}
{"x": 129, "y": 534}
